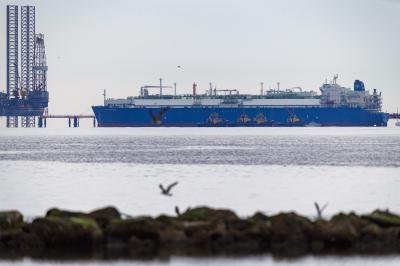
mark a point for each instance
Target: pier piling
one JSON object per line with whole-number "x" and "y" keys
{"x": 76, "y": 121}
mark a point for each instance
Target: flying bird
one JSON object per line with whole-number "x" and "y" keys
{"x": 157, "y": 118}
{"x": 320, "y": 210}
{"x": 166, "y": 191}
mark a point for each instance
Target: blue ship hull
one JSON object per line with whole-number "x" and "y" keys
{"x": 210, "y": 116}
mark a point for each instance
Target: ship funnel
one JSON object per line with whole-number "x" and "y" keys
{"x": 194, "y": 89}
{"x": 359, "y": 85}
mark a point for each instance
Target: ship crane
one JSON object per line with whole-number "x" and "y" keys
{"x": 144, "y": 88}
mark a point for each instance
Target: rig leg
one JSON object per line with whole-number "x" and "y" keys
{"x": 40, "y": 122}
{"x": 24, "y": 121}
{"x": 45, "y": 122}
{"x": 69, "y": 121}
{"x": 12, "y": 121}
{"x": 76, "y": 122}
{"x": 94, "y": 121}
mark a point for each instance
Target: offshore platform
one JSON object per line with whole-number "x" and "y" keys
{"x": 26, "y": 96}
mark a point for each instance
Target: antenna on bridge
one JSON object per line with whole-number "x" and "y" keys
{"x": 160, "y": 87}
{"x": 262, "y": 88}
{"x": 175, "y": 88}
{"x": 104, "y": 96}
{"x": 335, "y": 77}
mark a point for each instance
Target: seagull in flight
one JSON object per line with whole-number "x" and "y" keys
{"x": 166, "y": 191}
{"x": 319, "y": 209}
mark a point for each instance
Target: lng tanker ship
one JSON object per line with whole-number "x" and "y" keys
{"x": 333, "y": 106}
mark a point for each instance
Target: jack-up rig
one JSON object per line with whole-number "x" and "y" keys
{"x": 26, "y": 96}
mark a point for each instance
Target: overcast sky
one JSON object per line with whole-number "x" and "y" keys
{"x": 121, "y": 45}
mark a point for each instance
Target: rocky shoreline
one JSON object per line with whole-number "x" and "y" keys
{"x": 197, "y": 231}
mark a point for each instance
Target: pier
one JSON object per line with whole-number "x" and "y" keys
{"x": 73, "y": 120}
{"x": 41, "y": 121}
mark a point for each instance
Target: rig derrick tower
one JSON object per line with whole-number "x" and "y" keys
{"x": 12, "y": 61}
{"x": 27, "y": 47}
{"x": 12, "y": 51}
{"x": 40, "y": 66}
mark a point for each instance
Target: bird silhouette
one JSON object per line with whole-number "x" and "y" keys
{"x": 177, "y": 211}
{"x": 166, "y": 191}
{"x": 320, "y": 210}
{"x": 157, "y": 118}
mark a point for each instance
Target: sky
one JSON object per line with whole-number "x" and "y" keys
{"x": 121, "y": 45}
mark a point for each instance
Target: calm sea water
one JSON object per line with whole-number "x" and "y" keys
{"x": 245, "y": 169}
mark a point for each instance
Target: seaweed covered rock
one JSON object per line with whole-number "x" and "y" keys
{"x": 290, "y": 231}
{"x": 204, "y": 232}
{"x": 10, "y": 219}
{"x": 141, "y": 227}
{"x": 55, "y": 212}
{"x": 68, "y": 231}
{"x": 259, "y": 216}
{"x": 171, "y": 230}
{"x": 13, "y": 235}
{"x": 20, "y": 239}
{"x": 209, "y": 227}
{"x": 383, "y": 218}
{"x": 105, "y": 215}
{"x": 246, "y": 235}
{"x": 207, "y": 214}
{"x": 145, "y": 233}
{"x": 345, "y": 229}
{"x": 234, "y": 235}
